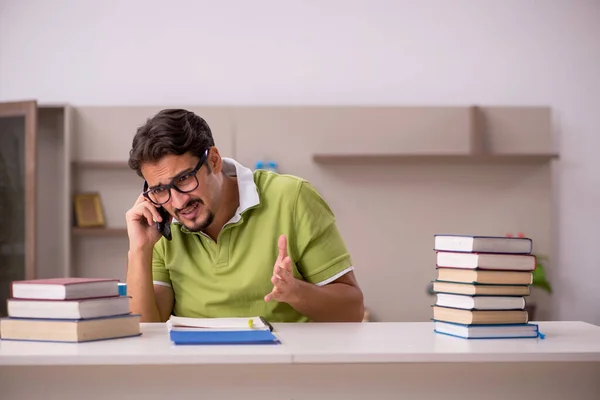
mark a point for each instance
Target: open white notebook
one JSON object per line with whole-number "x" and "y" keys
{"x": 219, "y": 324}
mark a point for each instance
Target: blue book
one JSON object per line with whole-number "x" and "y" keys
{"x": 482, "y": 331}
{"x": 212, "y": 331}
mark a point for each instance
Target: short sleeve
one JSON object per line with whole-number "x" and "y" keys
{"x": 160, "y": 274}
{"x": 321, "y": 253}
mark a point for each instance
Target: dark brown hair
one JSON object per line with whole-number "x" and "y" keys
{"x": 171, "y": 131}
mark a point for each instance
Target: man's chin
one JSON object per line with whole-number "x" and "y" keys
{"x": 195, "y": 226}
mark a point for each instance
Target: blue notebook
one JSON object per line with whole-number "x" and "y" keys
{"x": 219, "y": 331}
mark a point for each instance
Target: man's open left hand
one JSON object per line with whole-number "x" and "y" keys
{"x": 285, "y": 285}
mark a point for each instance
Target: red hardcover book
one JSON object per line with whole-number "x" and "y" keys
{"x": 65, "y": 288}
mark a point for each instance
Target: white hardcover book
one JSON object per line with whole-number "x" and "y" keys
{"x": 480, "y": 302}
{"x": 506, "y": 262}
{"x": 483, "y": 244}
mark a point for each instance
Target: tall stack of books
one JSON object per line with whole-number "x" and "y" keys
{"x": 481, "y": 286}
{"x": 68, "y": 310}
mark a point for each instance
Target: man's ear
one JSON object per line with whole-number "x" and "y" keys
{"x": 214, "y": 160}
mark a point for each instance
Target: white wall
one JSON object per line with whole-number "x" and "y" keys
{"x": 337, "y": 52}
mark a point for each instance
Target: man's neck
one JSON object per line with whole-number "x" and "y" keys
{"x": 230, "y": 201}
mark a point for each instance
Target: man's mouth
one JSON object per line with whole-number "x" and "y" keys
{"x": 190, "y": 210}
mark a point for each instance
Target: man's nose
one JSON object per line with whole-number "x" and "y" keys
{"x": 178, "y": 199}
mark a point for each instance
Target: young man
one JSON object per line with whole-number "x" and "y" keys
{"x": 243, "y": 243}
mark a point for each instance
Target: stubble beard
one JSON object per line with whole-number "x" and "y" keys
{"x": 202, "y": 225}
{"x": 204, "y": 222}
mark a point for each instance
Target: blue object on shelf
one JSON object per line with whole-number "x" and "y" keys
{"x": 122, "y": 289}
{"x": 267, "y": 166}
{"x": 272, "y": 166}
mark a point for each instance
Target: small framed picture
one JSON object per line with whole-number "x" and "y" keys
{"x": 88, "y": 210}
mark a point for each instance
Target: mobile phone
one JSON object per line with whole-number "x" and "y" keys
{"x": 164, "y": 226}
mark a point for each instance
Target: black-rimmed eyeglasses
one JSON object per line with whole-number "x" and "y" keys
{"x": 183, "y": 183}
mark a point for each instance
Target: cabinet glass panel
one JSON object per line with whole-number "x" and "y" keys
{"x": 12, "y": 204}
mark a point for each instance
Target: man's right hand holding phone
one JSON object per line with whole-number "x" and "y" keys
{"x": 153, "y": 304}
{"x": 141, "y": 226}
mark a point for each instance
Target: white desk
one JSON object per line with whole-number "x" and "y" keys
{"x": 345, "y": 361}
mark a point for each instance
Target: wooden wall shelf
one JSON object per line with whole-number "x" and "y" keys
{"x": 469, "y": 134}
{"x": 99, "y": 231}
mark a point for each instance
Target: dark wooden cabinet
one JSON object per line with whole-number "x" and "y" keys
{"x": 18, "y": 153}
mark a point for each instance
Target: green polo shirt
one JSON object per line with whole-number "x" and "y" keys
{"x": 230, "y": 277}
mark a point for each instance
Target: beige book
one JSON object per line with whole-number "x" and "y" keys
{"x": 83, "y": 330}
{"x": 481, "y": 317}
{"x": 487, "y": 277}
{"x": 477, "y": 289}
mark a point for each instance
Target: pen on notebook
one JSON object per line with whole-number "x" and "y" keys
{"x": 264, "y": 321}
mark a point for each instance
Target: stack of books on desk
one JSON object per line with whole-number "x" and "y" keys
{"x": 481, "y": 286}
{"x": 68, "y": 310}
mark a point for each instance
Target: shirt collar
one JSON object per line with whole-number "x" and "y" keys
{"x": 248, "y": 193}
